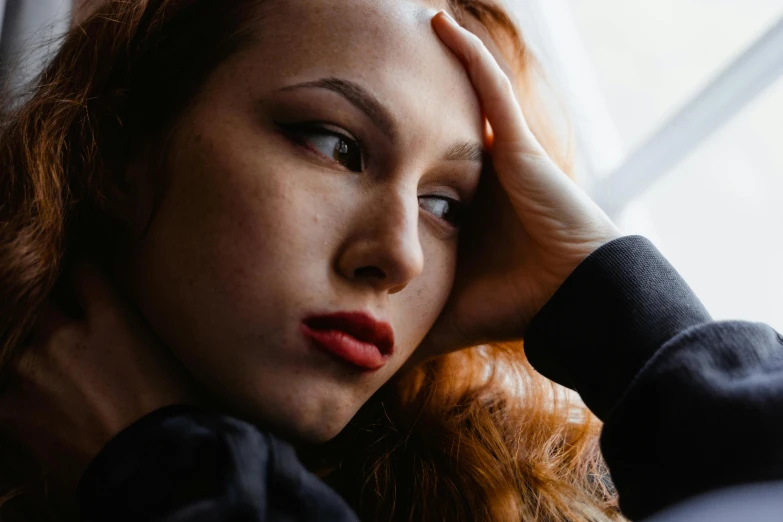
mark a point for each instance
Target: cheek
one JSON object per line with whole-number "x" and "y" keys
{"x": 231, "y": 254}
{"x": 237, "y": 222}
{"x": 417, "y": 307}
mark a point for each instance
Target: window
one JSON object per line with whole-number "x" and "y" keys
{"x": 678, "y": 111}
{"x": 27, "y": 28}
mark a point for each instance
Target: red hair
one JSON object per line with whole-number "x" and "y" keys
{"x": 475, "y": 435}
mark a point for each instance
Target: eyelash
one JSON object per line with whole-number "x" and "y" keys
{"x": 298, "y": 133}
{"x": 458, "y": 207}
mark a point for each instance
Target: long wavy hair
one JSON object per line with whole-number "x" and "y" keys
{"x": 474, "y": 436}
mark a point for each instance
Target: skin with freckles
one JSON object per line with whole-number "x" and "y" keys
{"x": 321, "y": 169}
{"x": 320, "y": 166}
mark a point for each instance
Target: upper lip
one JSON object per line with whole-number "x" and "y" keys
{"x": 360, "y": 325}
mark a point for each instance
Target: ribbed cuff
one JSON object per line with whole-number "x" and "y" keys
{"x": 617, "y": 308}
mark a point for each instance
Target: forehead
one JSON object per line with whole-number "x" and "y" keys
{"x": 387, "y": 46}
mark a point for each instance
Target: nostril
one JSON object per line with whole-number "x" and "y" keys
{"x": 369, "y": 272}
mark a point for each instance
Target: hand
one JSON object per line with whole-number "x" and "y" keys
{"x": 81, "y": 381}
{"x": 530, "y": 226}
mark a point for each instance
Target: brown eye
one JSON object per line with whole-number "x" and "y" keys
{"x": 335, "y": 146}
{"x": 444, "y": 208}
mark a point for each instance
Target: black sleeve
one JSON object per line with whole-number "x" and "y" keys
{"x": 689, "y": 405}
{"x": 185, "y": 464}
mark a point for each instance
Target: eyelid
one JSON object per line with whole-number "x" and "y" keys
{"x": 325, "y": 128}
{"x": 460, "y": 205}
{"x": 457, "y": 197}
{"x": 442, "y": 195}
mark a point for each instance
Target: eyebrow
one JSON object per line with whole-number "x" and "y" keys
{"x": 382, "y": 118}
{"x": 466, "y": 151}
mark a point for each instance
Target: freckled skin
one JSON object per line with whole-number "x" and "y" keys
{"x": 254, "y": 232}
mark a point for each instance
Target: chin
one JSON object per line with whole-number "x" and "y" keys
{"x": 314, "y": 435}
{"x": 304, "y": 411}
{"x": 307, "y": 434}
{"x": 300, "y": 428}
{"x": 314, "y": 431}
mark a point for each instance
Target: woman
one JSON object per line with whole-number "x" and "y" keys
{"x": 278, "y": 187}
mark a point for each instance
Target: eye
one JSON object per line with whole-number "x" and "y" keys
{"x": 446, "y": 209}
{"x": 334, "y": 145}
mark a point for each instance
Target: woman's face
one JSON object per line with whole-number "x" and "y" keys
{"x": 320, "y": 171}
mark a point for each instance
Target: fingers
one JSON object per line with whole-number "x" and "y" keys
{"x": 492, "y": 85}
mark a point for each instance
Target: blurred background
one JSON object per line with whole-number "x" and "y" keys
{"x": 677, "y": 111}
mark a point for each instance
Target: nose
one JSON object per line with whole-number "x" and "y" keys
{"x": 384, "y": 249}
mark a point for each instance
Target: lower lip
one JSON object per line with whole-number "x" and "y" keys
{"x": 365, "y": 356}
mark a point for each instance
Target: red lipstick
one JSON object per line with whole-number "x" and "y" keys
{"x": 355, "y": 337}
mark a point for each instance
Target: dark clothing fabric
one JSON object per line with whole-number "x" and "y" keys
{"x": 185, "y": 464}
{"x": 689, "y": 405}
{"x": 758, "y": 502}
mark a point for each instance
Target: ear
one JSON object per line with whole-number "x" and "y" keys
{"x": 130, "y": 189}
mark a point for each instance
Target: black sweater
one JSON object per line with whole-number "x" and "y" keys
{"x": 689, "y": 406}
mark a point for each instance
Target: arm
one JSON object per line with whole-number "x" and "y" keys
{"x": 689, "y": 405}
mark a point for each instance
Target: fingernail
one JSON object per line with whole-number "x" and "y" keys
{"x": 448, "y": 18}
